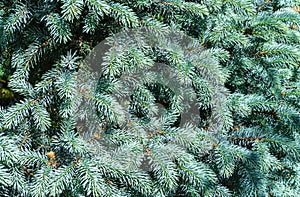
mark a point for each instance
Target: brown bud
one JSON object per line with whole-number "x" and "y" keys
{"x": 50, "y": 154}
{"x": 294, "y": 27}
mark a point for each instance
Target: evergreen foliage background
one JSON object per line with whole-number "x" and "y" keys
{"x": 253, "y": 43}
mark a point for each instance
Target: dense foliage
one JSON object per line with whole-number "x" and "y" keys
{"x": 251, "y": 48}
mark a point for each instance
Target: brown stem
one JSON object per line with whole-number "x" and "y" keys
{"x": 263, "y": 5}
